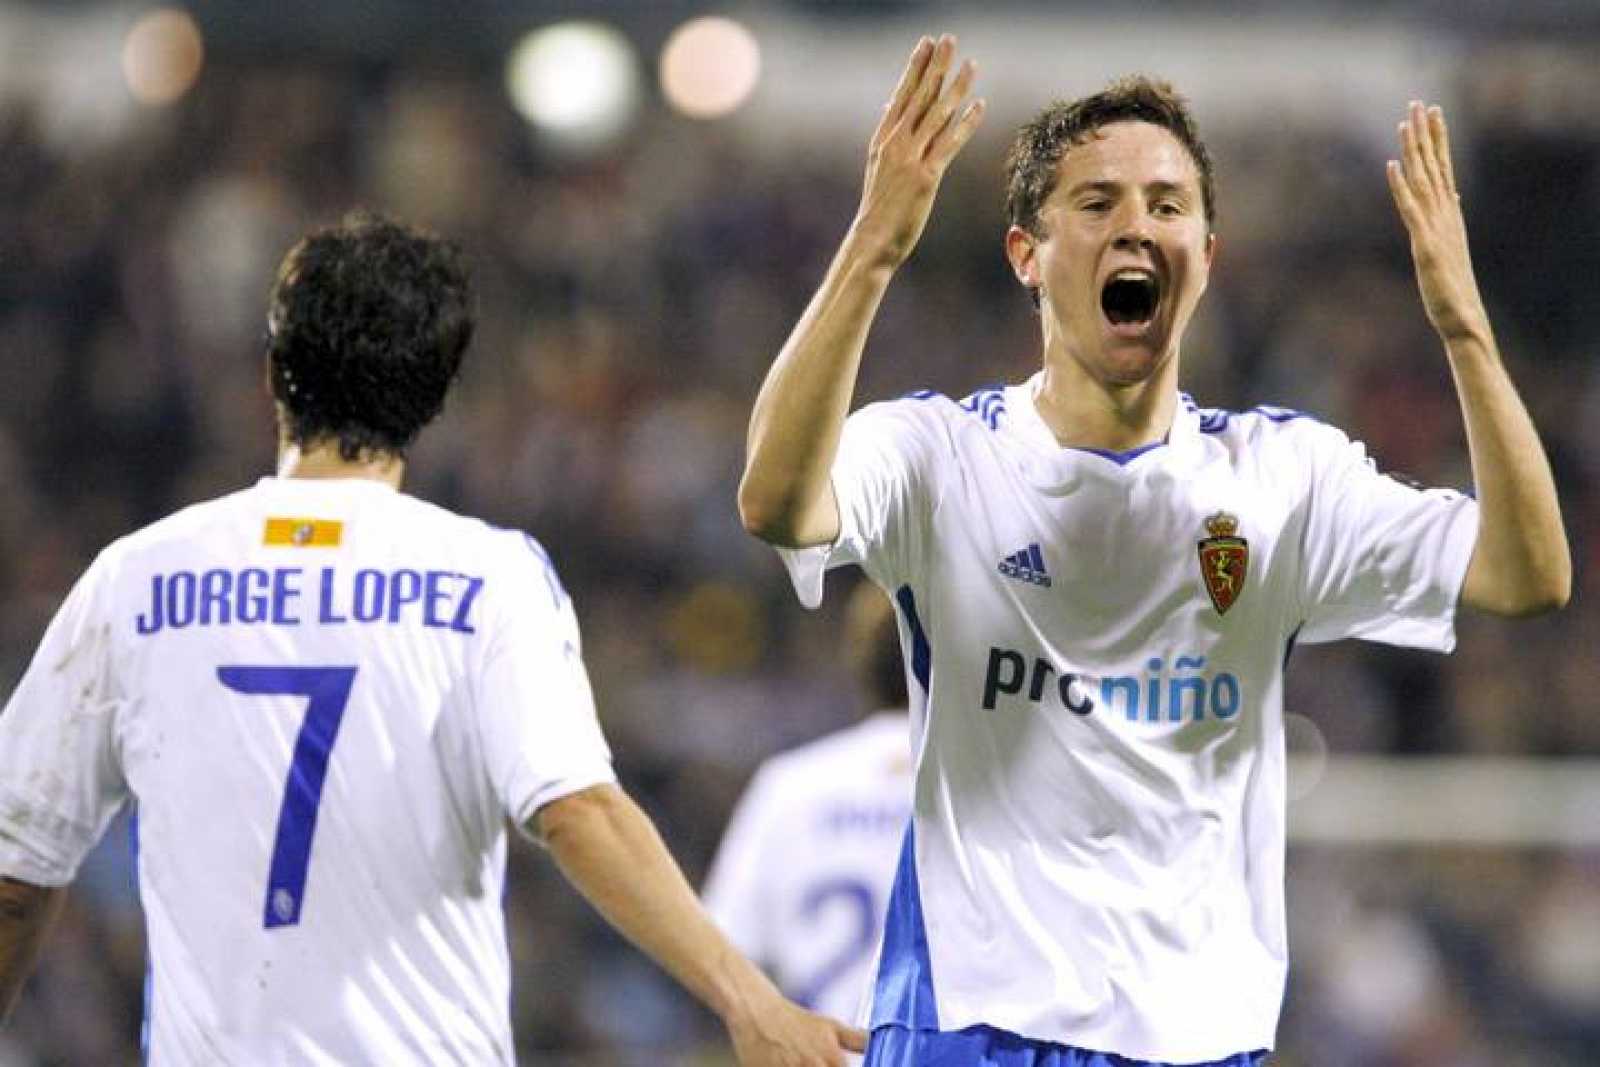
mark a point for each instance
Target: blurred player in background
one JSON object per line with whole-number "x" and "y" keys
{"x": 1102, "y": 582}
{"x": 327, "y": 698}
{"x": 802, "y": 877}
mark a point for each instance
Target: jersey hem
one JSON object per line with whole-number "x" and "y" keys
{"x": 900, "y": 1045}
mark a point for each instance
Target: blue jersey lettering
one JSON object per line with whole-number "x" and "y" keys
{"x": 181, "y": 599}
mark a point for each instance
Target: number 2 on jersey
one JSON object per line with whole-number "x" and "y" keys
{"x": 862, "y": 908}
{"x": 327, "y": 690}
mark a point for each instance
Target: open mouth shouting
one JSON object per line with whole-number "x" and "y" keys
{"x": 1129, "y": 300}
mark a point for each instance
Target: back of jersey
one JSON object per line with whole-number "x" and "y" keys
{"x": 801, "y": 880}
{"x": 326, "y": 698}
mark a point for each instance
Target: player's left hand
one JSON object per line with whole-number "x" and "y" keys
{"x": 1424, "y": 186}
{"x": 783, "y": 1034}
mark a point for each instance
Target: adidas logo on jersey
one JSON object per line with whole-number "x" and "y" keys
{"x": 1026, "y": 566}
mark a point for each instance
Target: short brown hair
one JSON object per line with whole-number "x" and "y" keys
{"x": 1032, "y": 163}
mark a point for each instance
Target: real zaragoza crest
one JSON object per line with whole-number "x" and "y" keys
{"x": 1224, "y": 559}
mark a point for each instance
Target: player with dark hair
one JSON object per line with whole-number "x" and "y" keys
{"x": 802, "y": 876}
{"x": 326, "y": 699}
{"x": 1032, "y": 165}
{"x": 1100, "y": 579}
{"x": 366, "y": 328}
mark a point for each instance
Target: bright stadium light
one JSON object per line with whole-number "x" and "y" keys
{"x": 577, "y": 82}
{"x": 709, "y": 67}
{"x": 162, "y": 56}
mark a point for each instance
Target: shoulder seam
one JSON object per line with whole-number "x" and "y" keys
{"x": 988, "y": 404}
{"x": 1216, "y": 420}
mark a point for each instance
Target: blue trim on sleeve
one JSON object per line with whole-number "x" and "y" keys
{"x": 1288, "y": 646}
{"x": 1277, "y": 414}
{"x": 921, "y": 654}
{"x": 1216, "y": 420}
{"x": 558, "y": 592}
{"x": 149, "y": 965}
{"x": 903, "y": 993}
{"x": 988, "y": 403}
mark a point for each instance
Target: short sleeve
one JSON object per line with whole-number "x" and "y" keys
{"x": 60, "y": 775}
{"x": 885, "y": 483}
{"x": 736, "y": 890}
{"x": 1383, "y": 560}
{"x": 541, "y": 734}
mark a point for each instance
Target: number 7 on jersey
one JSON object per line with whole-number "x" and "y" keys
{"x": 328, "y": 691}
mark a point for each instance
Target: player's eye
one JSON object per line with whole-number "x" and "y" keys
{"x": 1095, "y": 205}
{"x": 1167, "y": 208}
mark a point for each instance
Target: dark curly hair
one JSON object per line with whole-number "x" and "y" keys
{"x": 1032, "y": 164}
{"x": 367, "y": 326}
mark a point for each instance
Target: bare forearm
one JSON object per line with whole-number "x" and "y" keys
{"x": 610, "y": 851}
{"x": 26, "y": 914}
{"x": 785, "y": 496}
{"x": 612, "y": 854}
{"x": 1522, "y": 563}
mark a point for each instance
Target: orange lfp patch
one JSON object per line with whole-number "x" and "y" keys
{"x": 303, "y": 533}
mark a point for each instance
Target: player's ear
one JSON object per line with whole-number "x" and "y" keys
{"x": 1210, "y": 259}
{"x": 1022, "y": 250}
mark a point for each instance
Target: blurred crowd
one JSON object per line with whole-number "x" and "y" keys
{"x": 630, "y": 304}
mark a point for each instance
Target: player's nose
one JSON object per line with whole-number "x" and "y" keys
{"x": 1131, "y": 227}
{"x": 1133, "y": 234}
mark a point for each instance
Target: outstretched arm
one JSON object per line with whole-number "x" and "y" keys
{"x": 785, "y": 496}
{"x": 611, "y": 852}
{"x": 1521, "y": 564}
{"x": 26, "y": 913}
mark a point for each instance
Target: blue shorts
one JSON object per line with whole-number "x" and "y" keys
{"x": 985, "y": 1046}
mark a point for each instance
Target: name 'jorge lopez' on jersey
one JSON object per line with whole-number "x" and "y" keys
{"x": 1190, "y": 691}
{"x": 252, "y": 595}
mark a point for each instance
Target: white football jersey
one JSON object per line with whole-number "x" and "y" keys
{"x": 1096, "y": 645}
{"x": 326, "y": 698}
{"x": 801, "y": 879}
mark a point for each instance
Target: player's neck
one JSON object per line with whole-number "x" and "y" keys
{"x": 1083, "y": 412}
{"x": 322, "y": 459}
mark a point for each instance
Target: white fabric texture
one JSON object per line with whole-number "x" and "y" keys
{"x": 426, "y": 670}
{"x": 1099, "y": 803}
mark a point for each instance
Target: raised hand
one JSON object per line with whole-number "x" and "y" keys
{"x": 1424, "y": 187}
{"x": 1521, "y": 563}
{"x": 923, "y": 127}
{"x": 786, "y": 495}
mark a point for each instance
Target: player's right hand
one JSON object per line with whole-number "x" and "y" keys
{"x": 924, "y": 125}
{"x": 783, "y": 1034}
{"x": 1423, "y": 183}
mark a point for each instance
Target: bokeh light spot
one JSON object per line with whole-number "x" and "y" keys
{"x": 709, "y": 67}
{"x": 578, "y": 82}
{"x": 162, "y": 56}
{"x": 1308, "y": 754}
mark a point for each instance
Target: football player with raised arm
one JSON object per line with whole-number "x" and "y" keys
{"x": 1101, "y": 579}
{"x": 801, "y": 880}
{"x": 327, "y": 698}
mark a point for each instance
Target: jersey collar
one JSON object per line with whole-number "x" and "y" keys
{"x": 329, "y": 486}
{"x": 1052, "y": 465}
